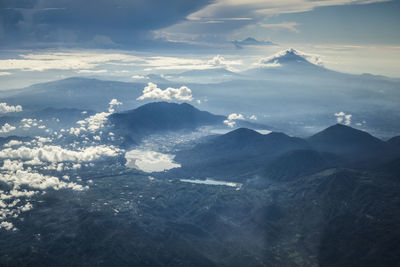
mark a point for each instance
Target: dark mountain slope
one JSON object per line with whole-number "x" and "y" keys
{"x": 297, "y": 163}
{"x": 239, "y": 152}
{"x": 344, "y": 140}
{"x": 161, "y": 116}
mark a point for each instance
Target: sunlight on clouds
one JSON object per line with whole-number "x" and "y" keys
{"x": 342, "y": 117}
{"x": 5, "y": 108}
{"x": 6, "y": 128}
{"x": 266, "y": 7}
{"x": 95, "y": 122}
{"x": 151, "y": 91}
{"x": 23, "y": 163}
{"x": 230, "y": 121}
{"x": 64, "y": 61}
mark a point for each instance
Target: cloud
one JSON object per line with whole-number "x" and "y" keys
{"x": 95, "y": 122}
{"x": 92, "y": 71}
{"x": 151, "y": 91}
{"x": 266, "y": 7}
{"x": 5, "y": 73}
{"x": 7, "y": 128}
{"x": 234, "y": 116}
{"x": 224, "y": 18}
{"x": 12, "y": 143}
{"x": 16, "y": 199}
{"x": 231, "y": 119}
{"x": 138, "y": 77}
{"x": 78, "y": 61}
{"x": 291, "y": 26}
{"x": 174, "y": 63}
{"x": 100, "y": 23}
{"x": 253, "y": 117}
{"x": 5, "y": 108}
{"x": 52, "y": 153}
{"x": 24, "y": 162}
{"x": 27, "y": 123}
{"x": 342, "y": 117}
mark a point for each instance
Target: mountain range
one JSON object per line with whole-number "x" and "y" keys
{"x": 244, "y": 152}
{"x": 310, "y": 93}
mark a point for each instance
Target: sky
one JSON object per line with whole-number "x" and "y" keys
{"x": 355, "y": 36}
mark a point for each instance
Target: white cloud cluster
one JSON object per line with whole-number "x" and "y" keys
{"x": 52, "y": 153}
{"x": 342, "y": 117}
{"x": 12, "y": 143}
{"x": 253, "y": 117}
{"x": 231, "y": 119}
{"x": 151, "y": 91}
{"x": 18, "y": 199}
{"x": 27, "y": 123}
{"x": 7, "y": 128}
{"x": 24, "y": 161}
{"x": 95, "y": 122}
{"x": 220, "y": 62}
{"x": 5, "y": 108}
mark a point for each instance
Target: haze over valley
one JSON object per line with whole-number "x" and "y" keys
{"x": 204, "y": 133}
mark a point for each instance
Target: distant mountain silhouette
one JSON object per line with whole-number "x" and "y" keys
{"x": 162, "y": 116}
{"x": 278, "y": 156}
{"x": 345, "y": 140}
{"x": 238, "y": 152}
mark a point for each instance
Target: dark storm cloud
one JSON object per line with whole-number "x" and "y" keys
{"x": 95, "y": 22}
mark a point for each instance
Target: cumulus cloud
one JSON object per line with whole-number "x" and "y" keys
{"x": 5, "y": 108}
{"x": 23, "y": 163}
{"x": 27, "y": 123}
{"x": 234, "y": 116}
{"x": 95, "y": 122}
{"x": 7, "y": 128}
{"x": 17, "y": 199}
{"x": 342, "y": 117}
{"x": 12, "y": 143}
{"x": 52, "y": 153}
{"x": 151, "y": 91}
{"x": 231, "y": 119}
{"x": 220, "y": 62}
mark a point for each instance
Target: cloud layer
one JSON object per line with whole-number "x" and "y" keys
{"x": 93, "y": 22}
{"x": 25, "y": 163}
